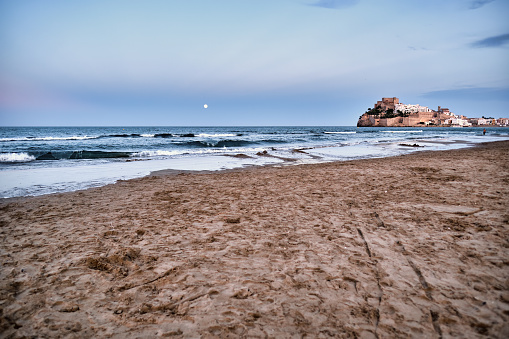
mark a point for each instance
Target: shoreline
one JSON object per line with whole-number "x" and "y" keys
{"x": 286, "y": 162}
{"x": 46, "y": 181}
{"x": 151, "y": 153}
{"x": 403, "y": 246}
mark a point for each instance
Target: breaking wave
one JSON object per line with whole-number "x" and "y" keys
{"x": 16, "y": 157}
{"x": 155, "y": 153}
{"x": 221, "y": 143}
{"x": 228, "y": 143}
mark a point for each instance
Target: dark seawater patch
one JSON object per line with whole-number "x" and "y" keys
{"x": 132, "y": 135}
{"x": 46, "y": 156}
{"x": 163, "y": 135}
{"x": 171, "y": 135}
{"x": 98, "y": 155}
{"x": 286, "y": 133}
{"x": 362, "y": 131}
{"x": 276, "y": 141}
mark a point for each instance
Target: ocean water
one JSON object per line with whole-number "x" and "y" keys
{"x": 43, "y": 160}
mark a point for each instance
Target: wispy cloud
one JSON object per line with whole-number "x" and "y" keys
{"x": 470, "y": 93}
{"x": 414, "y": 48}
{"x": 479, "y": 3}
{"x": 494, "y": 41}
{"x": 334, "y": 3}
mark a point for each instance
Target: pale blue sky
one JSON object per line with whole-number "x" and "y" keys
{"x": 254, "y": 62}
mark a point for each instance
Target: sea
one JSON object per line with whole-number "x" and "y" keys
{"x": 44, "y": 160}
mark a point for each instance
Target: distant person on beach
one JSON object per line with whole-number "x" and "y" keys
{"x": 484, "y": 131}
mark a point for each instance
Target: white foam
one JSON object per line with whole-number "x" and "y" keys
{"x": 162, "y": 153}
{"x": 351, "y": 151}
{"x": 155, "y": 153}
{"x": 340, "y": 132}
{"x": 38, "y": 181}
{"x": 16, "y": 157}
{"x": 147, "y": 135}
{"x": 419, "y": 131}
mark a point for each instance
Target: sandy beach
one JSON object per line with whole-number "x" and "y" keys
{"x": 409, "y": 246}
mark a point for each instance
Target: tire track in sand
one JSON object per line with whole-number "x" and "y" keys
{"x": 435, "y": 315}
{"x": 376, "y": 271}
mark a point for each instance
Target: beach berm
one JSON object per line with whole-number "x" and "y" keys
{"x": 408, "y": 246}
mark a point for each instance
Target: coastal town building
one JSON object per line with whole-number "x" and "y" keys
{"x": 390, "y": 112}
{"x": 458, "y": 122}
{"x": 503, "y": 122}
{"x": 411, "y": 108}
{"x": 478, "y": 121}
{"x": 443, "y": 110}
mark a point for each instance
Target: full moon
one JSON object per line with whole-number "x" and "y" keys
{"x": 205, "y": 106}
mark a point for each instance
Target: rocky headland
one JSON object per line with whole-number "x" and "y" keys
{"x": 389, "y": 112}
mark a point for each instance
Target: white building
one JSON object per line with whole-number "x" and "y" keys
{"x": 483, "y": 121}
{"x": 460, "y": 122}
{"x": 411, "y": 108}
{"x": 503, "y": 122}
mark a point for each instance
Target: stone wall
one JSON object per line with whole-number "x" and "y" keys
{"x": 391, "y": 122}
{"x": 387, "y": 103}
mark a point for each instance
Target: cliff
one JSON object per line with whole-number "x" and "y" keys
{"x": 367, "y": 120}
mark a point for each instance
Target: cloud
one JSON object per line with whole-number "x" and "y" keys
{"x": 469, "y": 93}
{"x": 414, "y": 48}
{"x": 494, "y": 41}
{"x": 334, "y": 3}
{"x": 479, "y": 3}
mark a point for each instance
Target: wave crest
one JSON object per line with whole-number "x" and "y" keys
{"x": 219, "y": 144}
{"x": 155, "y": 153}
{"x": 16, "y": 157}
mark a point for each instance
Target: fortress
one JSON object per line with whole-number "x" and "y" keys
{"x": 389, "y": 112}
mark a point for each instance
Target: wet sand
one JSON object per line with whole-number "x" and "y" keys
{"x": 410, "y": 246}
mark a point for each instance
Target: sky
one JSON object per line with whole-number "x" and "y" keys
{"x": 252, "y": 62}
